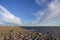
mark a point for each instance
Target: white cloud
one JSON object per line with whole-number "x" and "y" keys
{"x": 1, "y": 23}
{"x": 50, "y": 15}
{"x": 8, "y": 17}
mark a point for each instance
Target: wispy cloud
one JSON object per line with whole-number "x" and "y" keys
{"x": 50, "y": 15}
{"x": 7, "y": 17}
{"x": 39, "y": 2}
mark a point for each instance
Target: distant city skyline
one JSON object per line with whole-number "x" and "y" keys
{"x": 30, "y": 12}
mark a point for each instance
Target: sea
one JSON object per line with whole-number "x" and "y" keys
{"x": 51, "y": 30}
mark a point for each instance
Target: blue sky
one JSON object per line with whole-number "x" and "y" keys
{"x": 22, "y": 8}
{"x": 34, "y": 12}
